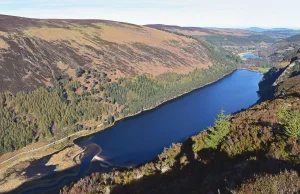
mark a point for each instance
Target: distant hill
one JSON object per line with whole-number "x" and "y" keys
{"x": 219, "y": 36}
{"x": 33, "y": 51}
{"x": 295, "y": 38}
{"x": 277, "y": 51}
{"x": 256, "y": 29}
{"x": 275, "y": 33}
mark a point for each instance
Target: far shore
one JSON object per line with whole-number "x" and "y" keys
{"x": 99, "y": 128}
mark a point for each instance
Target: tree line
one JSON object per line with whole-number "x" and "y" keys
{"x": 46, "y": 113}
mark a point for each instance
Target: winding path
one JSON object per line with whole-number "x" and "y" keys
{"x": 55, "y": 142}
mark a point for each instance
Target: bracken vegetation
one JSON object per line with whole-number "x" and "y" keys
{"x": 284, "y": 182}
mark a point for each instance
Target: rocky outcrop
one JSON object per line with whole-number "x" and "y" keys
{"x": 269, "y": 86}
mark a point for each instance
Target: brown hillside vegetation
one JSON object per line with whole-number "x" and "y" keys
{"x": 32, "y": 51}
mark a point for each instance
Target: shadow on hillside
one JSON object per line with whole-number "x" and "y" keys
{"x": 208, "y": 171}
{"x": 36, "y": 169}
{"x": 294, "y": 74}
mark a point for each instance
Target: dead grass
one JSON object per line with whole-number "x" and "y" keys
{"x": 130, "y": 34}
{"x": 4, "y": 34}
{"x": 64, "y": 159}
{"x": 52, "y": 34}
{"x": 3, "y": 44}
{"x": 82, "y": 38}
{"x": 156, "y": 69}
{"x": 62, "y": 66}
{"x": 33, "y": 166}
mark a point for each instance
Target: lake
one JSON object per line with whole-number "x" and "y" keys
{"x": 140, "y": 138}
{"x": 250, "y": 56}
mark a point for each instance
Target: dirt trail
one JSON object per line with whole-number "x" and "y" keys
{"x": 48, "y": 145}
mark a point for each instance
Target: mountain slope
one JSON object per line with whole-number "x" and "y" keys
{"x": 269, "y": 84}
{"x": 259, "y": 154}
{"x": 218, "y": 36}
{"x": 277, "y": 51}
{"x": 33, "y": 51}
{"x": 93, "y": 72}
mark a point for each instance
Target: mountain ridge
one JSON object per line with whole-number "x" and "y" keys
{"x": 34, "y": 51}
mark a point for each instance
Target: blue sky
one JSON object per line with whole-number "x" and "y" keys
{"x": 208, "y": 13}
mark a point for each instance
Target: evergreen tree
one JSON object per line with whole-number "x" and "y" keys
{"x": 218, "y": 132}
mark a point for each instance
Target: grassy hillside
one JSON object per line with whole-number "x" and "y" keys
{"x": 33, "y": 52}
{"x": 254, "y": 151}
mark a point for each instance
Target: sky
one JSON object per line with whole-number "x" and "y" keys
{"x": 198, "y": 13}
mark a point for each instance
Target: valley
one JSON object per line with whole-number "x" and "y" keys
{"x": 138, "y": 132}
{"x": 255, "y": 150}
{"x": 75, "y": 89}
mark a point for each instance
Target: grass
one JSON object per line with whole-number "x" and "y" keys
{"x": 263, "y": 69}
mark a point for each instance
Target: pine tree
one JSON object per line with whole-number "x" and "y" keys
{"x": 218, "y": 132}
{"x": 291, "y": 122}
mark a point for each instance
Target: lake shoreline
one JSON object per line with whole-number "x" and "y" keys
{"x": 253, "y": 70}
{"x": 157, "y": 105}
{"x": 102, "y": 127}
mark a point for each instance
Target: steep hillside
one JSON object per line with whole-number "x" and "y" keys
{"x": 254, "y": 151}
{"x": 269, "y": 84}
{"x": 277, "y": 51}
{"x": 34, "y": 52}
{"x": 220, "y": 37}
{"x": 65, "y": 76}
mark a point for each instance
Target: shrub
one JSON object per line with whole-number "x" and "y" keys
{"x": 79, "y": 72}
{"x": 291, "y": 122}
{"x": 284, "y": 182}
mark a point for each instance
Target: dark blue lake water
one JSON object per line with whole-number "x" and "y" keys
{"x": 143, "y": 137}
{"x": 250, "y": 56}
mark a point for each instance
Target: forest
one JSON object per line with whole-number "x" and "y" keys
{"x": 50, "y": 113}
{"x": 238, "y": 40}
